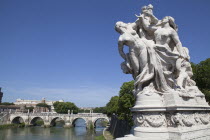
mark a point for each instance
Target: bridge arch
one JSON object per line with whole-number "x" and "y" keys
{"x": 73, "y": 122}
{"x": 101, "y": 118}
{"x": 53, "y": 123}
{"x": 17, "y": 120}
{"x": 35, "y": 119}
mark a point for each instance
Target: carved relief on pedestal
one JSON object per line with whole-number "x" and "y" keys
{"x": 204, "y": 117}
{"x": 150, "y": 119}
{"x": 189, "y": 119}
{"x": 183, "y": 119}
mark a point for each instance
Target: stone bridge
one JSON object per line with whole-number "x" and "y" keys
{"x": 50, "y": 118}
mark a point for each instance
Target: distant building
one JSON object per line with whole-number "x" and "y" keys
{"x": 1, "y": 95}
{"x": 33, "y": 103}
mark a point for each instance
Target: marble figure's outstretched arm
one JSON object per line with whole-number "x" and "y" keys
{"x": 178, "y": 43}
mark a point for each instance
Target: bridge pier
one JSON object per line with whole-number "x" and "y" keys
{"x": 47, "y": 124}
{"x": 89, "y": 125}
{"x": 28, "y": 125}
{"x": 68, "y": 125}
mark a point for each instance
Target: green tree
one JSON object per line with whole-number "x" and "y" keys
{"x": 83, "y": 111}
{"x": 201, "y": 75}
{"x": 126, "y": 101}
{"x": 30, "y": 108}
{"x": 121, "y": 104}
{"x": 63, "y": 107}
{"x": 7, "y": 103}
{"x": 127, "y": 88}
{"x": 112, "y": 105}
{"x": 43, "y": 105}
{"x": 100, "y": 110}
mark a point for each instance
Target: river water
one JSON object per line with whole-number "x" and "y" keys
{"x": 54, "y": 133}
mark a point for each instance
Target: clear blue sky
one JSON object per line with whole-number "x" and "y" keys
{"x": 67, "y": 49}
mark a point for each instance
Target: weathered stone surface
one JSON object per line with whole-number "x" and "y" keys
{"x": 168, "y": 105}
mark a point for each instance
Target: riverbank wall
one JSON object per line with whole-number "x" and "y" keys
{"x": 119, "y": 128}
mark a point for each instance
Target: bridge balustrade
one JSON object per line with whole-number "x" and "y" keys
{"x": 56, "y": 114}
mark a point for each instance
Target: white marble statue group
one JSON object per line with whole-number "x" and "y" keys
{"x": 168, "y": 103}
{"x": 156, "y": 59}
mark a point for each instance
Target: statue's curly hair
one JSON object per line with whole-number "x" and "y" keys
{"x": 172, "y": 23}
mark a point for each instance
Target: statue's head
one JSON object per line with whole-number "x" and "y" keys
{"x": 144, "y": 9}
{"x": 119, "y": 26}
{"x": 150, "y": 8}
{"x": 171, "y": 21}
{"x": 147, "y": 9}
{"x": 122, "y": 27}
{"x": 165, "y": 20}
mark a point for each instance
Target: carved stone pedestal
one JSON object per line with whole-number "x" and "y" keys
{"x": 172, "y": 125}
{"x": 171, "y": 117}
